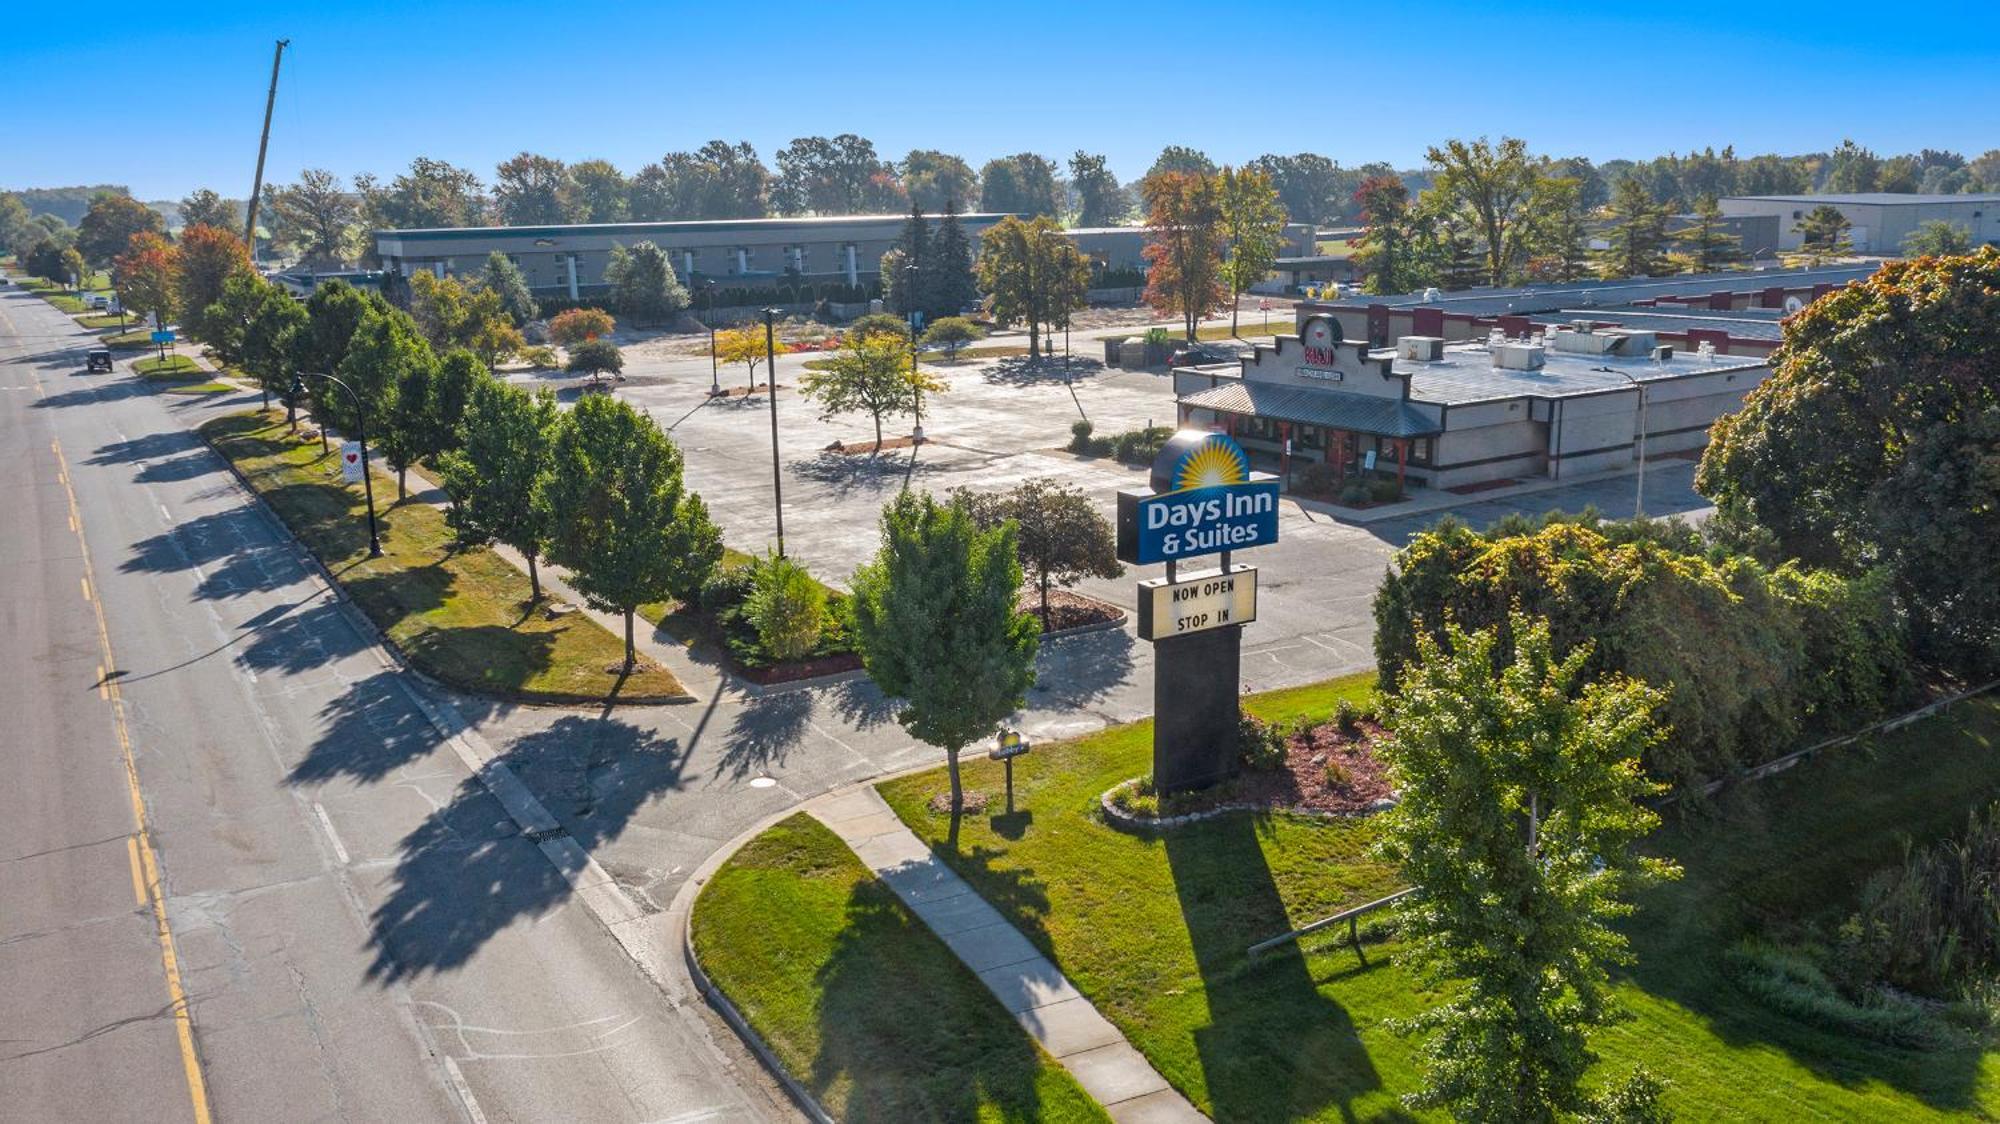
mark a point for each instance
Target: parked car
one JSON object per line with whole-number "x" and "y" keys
{"x": 1200, "y": 355}
{"x": 100, "y": 302}
{"x": 98, "y": 359}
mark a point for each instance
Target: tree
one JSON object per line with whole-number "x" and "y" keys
{"x": 1496, "y": 184}
{"x": 1937, "y": 237}
{"x": 333, "y": 313}
{"x": 229, "y": 318}
{"x": 203, "y": 207}
{"x": 107, "y": 228}
{"x": 1178, "y": 159}
{"x": 870, "y": 374}
{"x": 504, "y": 279}
{"x": 1946, "y": 496}
{"x": 595, "y": 358}
{"x": 1021, "y": 184}
{"x": 1100, "y": 201}
{"x": 1705, "y": 240}
{"x": 952, "y": 285}
{"x": 786, "y": 607}
{"x": 887, "y": 325}
{"x": 721, "y": 181}
{"x": 935, "y": 179}
{"x": 601, "y": 192}
{"x": 1061, "y": 536}
{"x": 1184, "y": 246}
{"x": 270, "y": 340}
{"x": 951, "y": 333}
{"x": 1252, "y": 227}
{"x": 912, "y": 251}
{"x": 209, "y": 257}
{"x": 507, "y": 440}
{"x": 837, "y": 176}
{"x": 1312, "y": 188}
{"x": 1560, "y": 241}
{"x": 1519, "y": 804}
{"x": 388, "y": 368}
{"x": 643, "y": 285}
{"x": 1386, "y": 252}
{"x": 1637, "y": 233}
{"x": 18, "y": 232}
{"x": 315, "y": 216}
{"x": 534, "y": 190}
{"x": 1823, "y": 235}
{"x": 936, "y": 625}
{"x": 45, "y": 260}
{"x": 575, "y": 325}
{"x": 1032, "y": 273}
{"x": 146, "y": 275}
{"x": 75, "y": 270}
{"x": 432, "y": 193}
{"x": 1877, "y": 376}
{"x": 450, "y": 314}
{"x": 748, "y": 347}
{"x": 1771, "y": 174}
{"x": 619, "y": 515}
{"x": 1851, "y": 168}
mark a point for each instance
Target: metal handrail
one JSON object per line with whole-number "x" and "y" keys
{"x": 1351, "y": 916}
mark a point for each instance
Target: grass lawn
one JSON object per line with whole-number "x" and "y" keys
{"x": 209, "y": 387}
{"x": 171, "y": 367}
{"x": 1249, "y": 324}
{"x": 99, "y": 321}
{"x": 142, "y": 337}
{"x": 460, "y": 616}
{"x": 64, "y": 301}
{"x": 1154, "y": 930}
{"x": 864, "y": 1006}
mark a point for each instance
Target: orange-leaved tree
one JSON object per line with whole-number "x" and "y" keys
{"x": 1184, "y": 246}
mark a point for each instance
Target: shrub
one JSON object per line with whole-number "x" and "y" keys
{"x": 786, "y": 607}
{"x": 1315, "y": 479}
{"x": 1259, "y": 744}
{"x": 1347, "y": 718}
{"x": 541, "y": 358}
{"x": 595, "y": 357}
{"x": 1929, "y": 923}
{"x": 1079, "y": 435}
{"x": 1790, "y": 982}
{"x": 1384, "y": 490}
{"x": 1141, "y": 446}
{"x": 1354, "y": 491}
{"x": 578, "y": 325}
{"x": 1336, "y": 773}
{"x": 1156, "y": 337}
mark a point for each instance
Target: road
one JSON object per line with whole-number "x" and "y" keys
{"x": 241, "y": 877}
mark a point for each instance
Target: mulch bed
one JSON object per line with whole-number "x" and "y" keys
{"x": 741, "y": 392}
{"x": 870, "y": 448}
{"x": 1068, "y": 610}
{"x": 1303, "y": 785}
{"x": 1336, "y": 501}
{"x": 800, "y": 669}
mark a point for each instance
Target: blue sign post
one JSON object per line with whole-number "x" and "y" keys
{"x": 1204, "y": 500}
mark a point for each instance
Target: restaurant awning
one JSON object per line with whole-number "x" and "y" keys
{"x": 1329, "y": 409}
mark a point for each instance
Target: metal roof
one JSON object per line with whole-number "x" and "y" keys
{"x": 1742, "y": 324}
{"x": 1876, "y": 198}
{"x": 687, "y": 226}
{"x": 1466, "y": 374}
{"x": 1331, "y": 409}
{"x": 1597, "y": 294}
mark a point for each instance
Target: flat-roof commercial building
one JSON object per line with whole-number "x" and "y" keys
{"x": 1733, "y": 311}
{"x": 1554, "y": 403}
{"x": 568, "y": 260}
{"x": 1879, "y": 220}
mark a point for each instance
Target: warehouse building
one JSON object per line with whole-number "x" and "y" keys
{"x": 1575, "y": 398}
{"x": 1879, "y": 220}
{"x": 568, "y": 260}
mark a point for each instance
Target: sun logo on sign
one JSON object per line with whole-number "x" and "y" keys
{"x": 1212, "y": 463}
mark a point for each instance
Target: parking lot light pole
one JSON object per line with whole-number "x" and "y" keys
{"x": 916, "y": 378}
{"x": 714, "y": 366}
{"x": 1639, "y": 498}
{"x": 771, "y": 370}
{"x": 360, "y": 436}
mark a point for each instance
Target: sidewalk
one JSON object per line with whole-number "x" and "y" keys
{"x": 1027, "y": 983}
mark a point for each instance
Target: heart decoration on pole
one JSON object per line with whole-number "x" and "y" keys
{"x": 350, "y": 461}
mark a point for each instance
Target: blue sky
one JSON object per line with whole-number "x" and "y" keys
{"x": 169, "y": 97}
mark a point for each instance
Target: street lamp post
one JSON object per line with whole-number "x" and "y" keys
{"x": 360, "y": 436}
{"x": 1639, "y": 498}
{"x": 714, "y": 366}
{"x": 771, "y": 368}
{"x": 916, "y": 379}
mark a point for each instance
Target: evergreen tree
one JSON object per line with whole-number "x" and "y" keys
{"x": 643, "y": 284}
{"x": 1637, "y": 234}
{"x": 1823, "y": 235}
{"x": 619, "y": 513}
{"x": 952, "y": 285}
{"x": 912, "y": 294}
{"x": 507, "y": 436}
{"x": 936, "y": 625}
{"x": 1705, "y": 241}
{"x": 505, "y": 278}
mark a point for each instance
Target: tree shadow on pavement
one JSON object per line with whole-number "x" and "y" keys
{"x": 467, "y": 872}
{"x": 861, "y": 703}
{"x": 233, "y": 550}
{"x": 764, "y": 733}
{"x": 151, "y": 447}
{"x": 370, "y": 731}
{"x": 1019, "y": 370}
{"x": 1075, "y": 671}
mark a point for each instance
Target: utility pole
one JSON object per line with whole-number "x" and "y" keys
{"x": 263, "y": 143}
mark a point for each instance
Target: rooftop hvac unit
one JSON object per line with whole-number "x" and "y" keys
{"x": 1519, "y": 356}
{"x": 1420, "y": 349}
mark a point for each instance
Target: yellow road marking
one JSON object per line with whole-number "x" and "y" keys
{"x": 102, "y": 684}
{"x": 147, "y": 874}
{"x": 138, "y": 875}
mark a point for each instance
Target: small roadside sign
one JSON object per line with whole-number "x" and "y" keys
{"x": 350, "y": 461}
{"x": 1010, "y": 744}
{"x": 164, "y": 335}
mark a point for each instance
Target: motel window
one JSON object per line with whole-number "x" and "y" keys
{"x": 1420, "y": 451}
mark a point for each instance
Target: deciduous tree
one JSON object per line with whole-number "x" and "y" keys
{"x": 1021, "y": 184}
{"x": 431, "y": 193}
{"x": 107, "y": 228}
{"x": 1184, "y": 246}
{"x": 951, "y": 333}
{"x": 787, "y": 608}
{"x": 936, "y": 626}
{"x": 270, "y": 340}
{"x": 209, "y": 257}
{"x": 315, "y": 216}
{"x": 602, "y": 193}
{"x": 746, "y": 346}
{"x": 1253, "y": 225}
{"x": 870, "y": 374}
{"x": 1519, "y": 804}
{"x": 935, "y": 179}
{"x": 147, "y": 275}
{"x": 619, "y": 514}
{"x": 389, "y": 368}
{"x": 595, "y": 358}
{"x": 1100, "y": 201}
{"x": 1496, "y": 184}
{"x": 508, "y": 438}
{"x": 203, "y": 207}
{"x": 575, "y": 325}
{"x": 1387, "y": 252}
{"x": 834, "y": 176}
{"x": 1061, "y": 536}
{"x": 1033, "y": 274}
{"x": 534, "y": 190}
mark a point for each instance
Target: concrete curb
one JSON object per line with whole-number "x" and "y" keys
{"x": 1133, "y": 823}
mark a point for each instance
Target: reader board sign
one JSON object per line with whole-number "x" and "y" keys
{"x": 1204, "y": 500}
{"x": 1197, "y": 602}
